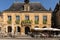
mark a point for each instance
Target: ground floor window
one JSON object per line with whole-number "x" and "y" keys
{"x": 18, "y": 29}
{"x": 44, "y": 26}
{"x": 0, "y": 28}
{"x": 9, "y": 29}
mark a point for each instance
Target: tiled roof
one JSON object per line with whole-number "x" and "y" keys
{"x": 20, "y": 7}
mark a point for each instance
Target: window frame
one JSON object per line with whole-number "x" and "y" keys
{"x": 17, "y": 17}
{"x": 27, "y": 17}
{"x": 36, "y": 19}
{"x": 10, "y": 18}
{"x": 45, "y": 19}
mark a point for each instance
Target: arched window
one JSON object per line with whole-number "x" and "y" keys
{"x": 0, "y": 28}
{"x": 36, "y": 26}
{"x": 18, "y": 29}
{"x": 44, "y": 27}
{"x": 9, "y": 29}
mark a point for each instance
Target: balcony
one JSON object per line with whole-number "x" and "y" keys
{"x": 9, "y": 21}
{"x": 26, "y": 22}
{"x": 17, "y": 21}
{"x": 36, "y": 21}
{"x": 44, "y": 22}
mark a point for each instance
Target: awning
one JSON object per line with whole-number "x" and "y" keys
{"x": 56, "y": 29}
{"x": 50, "y": 29}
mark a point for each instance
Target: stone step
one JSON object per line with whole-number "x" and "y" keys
{"x": 21, "y": 36}
{"x": 24, "y": 36}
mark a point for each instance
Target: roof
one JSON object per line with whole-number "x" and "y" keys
{"x": 1, "y": 15}
{"x": 57, "y": 8}
{"x": 20, "y": 7}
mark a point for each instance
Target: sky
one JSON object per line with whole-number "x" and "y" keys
{"x": 5, "y": 4}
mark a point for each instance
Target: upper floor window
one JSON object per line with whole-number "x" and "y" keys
{"x": 26, "y": 7}
{"x": 17, "y": 17}
{"x": 9, "y": 18}
{"x": 26, "y": 17}
{"x": 44, "y": 19}
{"x": 36, "y": 19}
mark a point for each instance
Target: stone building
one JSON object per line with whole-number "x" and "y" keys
{"x": 56, "y": 16}
{"x": 20, "y": 18}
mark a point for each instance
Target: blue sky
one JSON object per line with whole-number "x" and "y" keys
{"x": 5, "y": 4}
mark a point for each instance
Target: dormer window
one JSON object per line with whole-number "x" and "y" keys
{"x": 26, "y": 7}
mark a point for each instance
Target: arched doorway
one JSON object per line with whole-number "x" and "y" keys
{"x": 18, "y": 29}
{"x": 9, "y": 29}
{"x": 27, "y": 29}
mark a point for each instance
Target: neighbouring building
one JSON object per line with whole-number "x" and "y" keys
{"x": 56, "y": 16}
{"x": 20, "y": 18}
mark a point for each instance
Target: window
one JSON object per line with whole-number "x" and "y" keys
{"x": 17, "y": 17}
{"x": 27, "y": 8}
{"x": 9, "y": 29}
{"x": 26, "y": 17}
{"x": 0, "y": 28}
{"x": 9, "y": 17}
{"x": 44, "y": 19}
{"x": 36, "y": 19}
{"x": 18, "y": 29}
{"x": 36, "y": 26}
{"x": 9, "y": 20}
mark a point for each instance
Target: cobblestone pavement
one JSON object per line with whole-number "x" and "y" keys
{"x": 31, "y": 39}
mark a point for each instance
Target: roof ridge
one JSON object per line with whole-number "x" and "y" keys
{"x": 24, "y": 2}
{"x": 18, "y": 2}
{"x": 34, "y": 2}
{"x": 19, "y": 6}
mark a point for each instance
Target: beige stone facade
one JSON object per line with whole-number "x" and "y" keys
{"x": 32, "y": 12}
{"x": 22, "y": 17}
